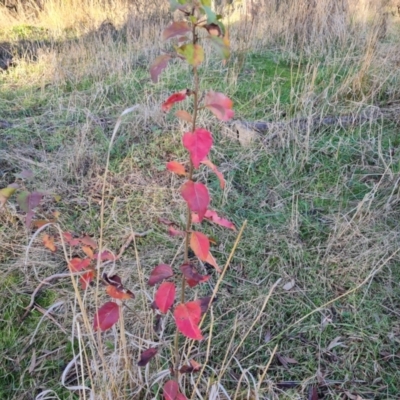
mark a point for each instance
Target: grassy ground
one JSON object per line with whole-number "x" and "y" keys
{"x": 322, "y": 208}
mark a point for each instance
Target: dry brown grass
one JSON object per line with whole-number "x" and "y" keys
{"x": 64, "y": 106}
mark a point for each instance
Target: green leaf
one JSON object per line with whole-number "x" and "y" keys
{"x": 211, "y": 16}
{"x": 222, "y": 27}
{"x": 22, "y": 200}
{"x": 221, "y": 45}
{"x": 6, "y": 193}
{"x": 194, "y": 54}
{"x": 175, "y": 4}
{"x": 206, "y": 3}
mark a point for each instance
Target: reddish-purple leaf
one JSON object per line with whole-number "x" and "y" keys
{"x": 187, "y": 318}
{"x": 106, "y": 317}
{"x": 220, "y": 105}
{"x": 176, "y": 167}
{"x": 28, "y": 218}
{"x": 113, "y": 280}
{"x": 77, "y": 264}
{"x": 181, "y": 396}
{"x": 198, "y": 144}
{"x": 205, "y": 303}
{"x": 159, "y": 273}
{"x": 177, "y": 28}
{"x": 174, "y": 98}
{"x": 165, "y": 296}
{"x": 158, "y": 66}
{"x": 197, "y": 197}
{"x": 192, "y": 277}
{"x": 28, "y": 201}
{"x": 175, "y": 232}
{"x": 313, "y": 393}
{"x": 193, "y": 367}
{"x": 170, "y": 390}
{"x": 146, "y": 356}
{"x": 200, "y": 245}
{"x": 166, "y": 221}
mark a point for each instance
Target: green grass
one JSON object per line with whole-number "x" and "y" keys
{"x": 322, "y": 210}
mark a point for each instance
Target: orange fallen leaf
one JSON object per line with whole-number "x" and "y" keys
{"x": 48, "y": 242}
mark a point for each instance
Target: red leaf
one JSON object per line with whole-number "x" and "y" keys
{"x": 70, "y": 239}
{"x": 88, "y": 241}
{"x": 184, "y": 115}
{"x": 198, "y": 144}
{"x": 76, "y": 264}
{"x": 181, "y": 396}
{"x": 192, "y": 277}
{"x": 200, "y": 244}
{"x": 175, "y": 232}
{"x": 216, "y": 171}
{"x": 159, "y": 273}
{"x": 197, "y": 197}
{"x": 146, "y": 356}
{"x": 211, "y": 260}
{"x": 48, "y": 242}
{"x": 175, "y": 29}
{"x": 85, "y": 279}
{"x": 165, "y": 296}
{"x": 187, "y": 317}
{"x": 105, "y": 256}
{"x": 176, "y": 167}
{"x": 214, "y": 217}
{"x": 170, "y": 390}
{"x": 220, "y": 105}
{"x": 158, "y": 66}
{"x": 174, "y": 98}
{"x": 195, "y": 218}
{"x": 106, "y": 317}
{"x": 118, "y": 292}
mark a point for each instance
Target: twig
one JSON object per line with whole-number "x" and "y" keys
{"x": 130, "y": 240}
{"x": 45, "y": 282}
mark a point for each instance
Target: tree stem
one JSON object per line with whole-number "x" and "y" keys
{"x": 188, "y": 213}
